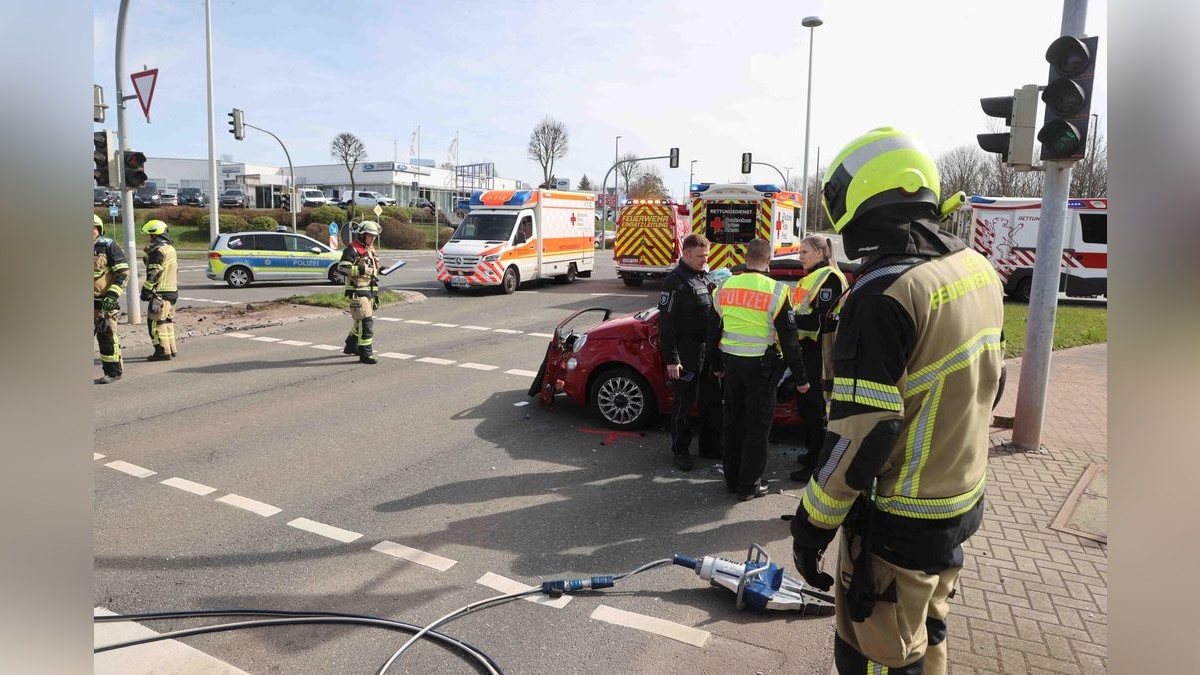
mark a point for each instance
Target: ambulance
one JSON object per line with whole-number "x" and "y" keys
{"x": 649, "y": 239}
{"x": 731, "y": 215}
{"x": 1005, "y": 230}
{"x": 513, "y": 236}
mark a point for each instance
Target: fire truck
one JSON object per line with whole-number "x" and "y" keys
{"x": 731, "y": 215}
{"x": 649, "y": 239}
{"x": 1005, "y": 230}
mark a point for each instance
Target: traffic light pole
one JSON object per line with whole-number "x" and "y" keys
{"x": 133, "y": 304}
{"x": 292, "y": 189}
{"x": 1043, "y": 297}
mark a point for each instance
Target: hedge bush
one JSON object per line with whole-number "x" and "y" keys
{"x": 263, "y": 223}
{"x": 324, "y": 215}
{"x": 318, "y": 231}
{"x": 402, "y": 235}
{"x": 227, "y": 223}
{"x": 445, "y": 235}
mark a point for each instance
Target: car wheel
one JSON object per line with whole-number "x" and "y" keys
{"x": 1024, "y": 289}
{"x": 569, "y": 277}
{"x": 511, "y": 281}
{"x": 450, "y": 287}
{"x": 632, "y": 281}
{"x": 336, "y": 277}
{"x": 622, "y": 399}
{"x": 238, "y": 277}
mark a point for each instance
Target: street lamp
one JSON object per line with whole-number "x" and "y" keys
{"x": 809, "y": 22}
{"x": 616, "y": 179}
{"x": 691, "y": 174}
{"x": 787, "y": 176}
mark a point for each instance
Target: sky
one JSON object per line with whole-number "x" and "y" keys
{"x": 713, "y": 78}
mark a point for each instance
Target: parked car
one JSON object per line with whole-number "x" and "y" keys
{"x": 241, "y": 258}
{"x": 192, "y": 197}
{"x": 168, "y": 199}
{"x": 605, "y": 238}
{"x": 312, "y": 197}
{"x": 102, "y": 197}
{"x": 146, "y": 196}
{"x": 366, "y": 198}
{"x": 235, "y": 198}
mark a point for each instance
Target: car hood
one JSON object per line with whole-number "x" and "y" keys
{"x": 627, "y": 326}
{"x": 470, "y": 247}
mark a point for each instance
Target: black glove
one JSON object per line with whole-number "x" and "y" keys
{"x": 145, "y": 295}
{"x": 807, "y": 560}
{"x": 375, "y": 301}
{"x": 109, "y": 302}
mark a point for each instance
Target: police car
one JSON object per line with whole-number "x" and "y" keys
{"x": 241, "y": 258}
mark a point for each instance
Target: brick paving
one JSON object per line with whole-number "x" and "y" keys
{"x": 1032, "y": 599}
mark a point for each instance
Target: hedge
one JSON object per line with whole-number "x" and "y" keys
{"x": 263, "y": 223}
{"x": 400, "y": 234}
{"x": 225, "y": 222}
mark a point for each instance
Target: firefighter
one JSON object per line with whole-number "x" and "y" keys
{"x": 816, "y": 301}
{"x": 916, "y": 365}
{"x": 360, "y": 266}
{"x": 111, "y": 270}
{"x": 160, "y": 290}
{"x": 751, "y": 325}
{"x": 685, "y": 308}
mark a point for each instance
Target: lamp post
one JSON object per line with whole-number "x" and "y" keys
{"x": 787, "y": 176}
{"x": 691, "y": 174}
{"x": 809, "y": 22}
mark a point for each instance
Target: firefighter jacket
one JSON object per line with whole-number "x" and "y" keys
{"x": 162, "y": 269}
{"x": 111, "y": 268}
{"x": 817, "y": 301}
{"x": 685, "y": 307}
{"x": 916, "y": 365}
{"x": 753, "y": 318}
{"x": 360, "y": 266}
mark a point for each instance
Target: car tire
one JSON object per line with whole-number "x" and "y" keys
{"x": 622, "y": 399}
{"x": 511, "y": 281}
{"x": 239, "y": 277}
{"x": 569, "y": 277}
{"x": 1023, "y": 290}
{"x": 335, "y": 277}
{"x": 450, "y": 287}
{"x": 632, "y": 282}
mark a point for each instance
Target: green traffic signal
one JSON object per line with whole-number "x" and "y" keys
{"x": 1068, "y": 97}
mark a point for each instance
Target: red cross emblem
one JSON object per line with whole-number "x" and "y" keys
{"x": 572, "y": 220}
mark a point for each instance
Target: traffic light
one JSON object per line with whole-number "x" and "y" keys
{"x": 285, "y": 202}
{"x": 674, "y": 158}
{"x": 746, "y": 162}
{"x": 103, "y": 153}
{"x": 1068, "y": 98}
{"x": 135, "y": 174}
{"x": 236, "y": 126}
{"x": 1019, "y": 112}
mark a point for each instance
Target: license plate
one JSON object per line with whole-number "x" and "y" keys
{"x": 629, "y": 259}
{"x": 459, "y": 281}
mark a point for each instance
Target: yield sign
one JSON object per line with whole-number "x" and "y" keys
{"x": 143, "y": 85}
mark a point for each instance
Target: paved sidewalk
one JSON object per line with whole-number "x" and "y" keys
{"x": 1034, "y": 599}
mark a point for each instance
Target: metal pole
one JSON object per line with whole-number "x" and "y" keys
{"x": 616, "y": 194}
{"x": 291, "y": 173}
{"x": 811, "y": 22}
{"x": 214, "y": 221}
{"x": 776, "y": 171}
{"x": 133, "y": 306}
{"x": 691, "y": 175}
{"x": 1047, "y": 267}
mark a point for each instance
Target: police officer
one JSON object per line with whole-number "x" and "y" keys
{"x": 916, "y": 365}
{"x": 685, "y": 308}
{"x": 160, "y": 290}
{"x": 111, "y": 270}
{"x": 753, "y": 320}
{"x": 360, "y": 266}
{"x": 816, "y": 302}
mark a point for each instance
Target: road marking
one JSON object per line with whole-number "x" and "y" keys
{"x": 413, "y": 555}
{"x": 477, "y": 366}
{"x": 517, "y": 371}
{"x": 264, "y": 510}
{"x": 239, "y": 335}
{"x": 436, "y": 362}
{"x": 295, "y": 343}
{"x": 518, "y": 404}
{"x": 446, "y": 325}
{"x": 506, "y": 585}
{"x": 617, "y": 295}
{"x": 96, "y": 456}
{"x": 540, "y": 334}
{"x": 507, "y": 331}
{"x": 476, "y": 327}
{"x": 188, "y": 486}
{"x": 649, "y": 624}
{"x": 396, "y": 355}
{"x": 419, "y": 323}
{"x": 328, "y": 348}
{"x": 344, "y": 536}
{"x": 388, "y": 318}
{"x": 131, "y": 469}
{"x": 526, "y": 291}
{"x": 157, "y": 657}
{"x": 216, "y": 302}
{"x": 264, "y": 338}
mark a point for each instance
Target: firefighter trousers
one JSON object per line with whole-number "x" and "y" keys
{"x": 105, "y": 327}
{"x": 906, "y": 631}
{"x": 704, "y": 392}
{"x": 160, "y": 320}
{"x": 749, "y": 409}
{"x": 363, "y": 329}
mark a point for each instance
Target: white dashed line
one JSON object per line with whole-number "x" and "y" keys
{"x": 96, "y": 456}
{"x": 649, "y": 624}
{"x": 131, "y": 469}
{"x": 518, "y": 404}
{"x": 264, "y": 338}
{"x": 295, "y": 343}
{"x": 540, "y": 334}
{"x": 446, "y": 325}
{"x": 419, "y": 323}
{"x": 388, "y": 318}
{"x": 337, "y": 533}
{"x": 436, "y": 362}
{"x": 328, "y": 348}
{"x": 188, "y": 486}
{"x": 525, "y": 373}
{"x": 506, "y": 585}
{"x": 264, "y": 510}
{"x": 476, "y": 327}
{"x": 403, "y": 552}
{"x": 239, "y": 335}
{"x": 396, "y": 355}
{"x": 477, "y": 366}
{"x": 507, "y": 331}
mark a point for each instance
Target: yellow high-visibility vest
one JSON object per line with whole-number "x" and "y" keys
{"x": 748, "y": 304}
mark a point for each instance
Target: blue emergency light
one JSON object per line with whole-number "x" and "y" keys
{"x": 767, "y": 187}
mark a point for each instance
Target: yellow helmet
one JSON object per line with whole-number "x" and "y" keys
{"x": 154, "y": 227}
{"x": 96, "y": 222}
{"x": 369, "y": 227}
{"x": 883, "y": 166}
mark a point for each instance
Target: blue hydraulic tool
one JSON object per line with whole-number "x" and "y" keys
{"x": 759, "y": 583}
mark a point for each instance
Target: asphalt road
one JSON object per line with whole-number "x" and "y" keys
{"x": 436, "y": 449}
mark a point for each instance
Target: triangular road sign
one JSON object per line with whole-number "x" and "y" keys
{"x": 143, "y": 85}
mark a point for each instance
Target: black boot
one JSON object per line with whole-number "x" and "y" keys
{"x": 351, "y": 346}
{"x": 683, "y": 461}
{"x": 365, "y": 356}
{"x": 159, "y": 354}
{"x": 110, "y": 375}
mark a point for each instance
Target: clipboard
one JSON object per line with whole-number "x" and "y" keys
{"x": 393, "y": 267}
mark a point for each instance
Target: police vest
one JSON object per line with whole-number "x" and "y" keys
{"x": 805, "y": 296}
{"x": 748, "y": 304}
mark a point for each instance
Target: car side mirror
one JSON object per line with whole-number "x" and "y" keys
{"x": 520, "y": 239}
{"x": 313, "y": 249}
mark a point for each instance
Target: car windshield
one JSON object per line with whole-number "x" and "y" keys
{"x": 488, "y": 226}
{"x": 147, "y": 191}
{"x": 233, "y": 193}
{"x": 189, "y": 191}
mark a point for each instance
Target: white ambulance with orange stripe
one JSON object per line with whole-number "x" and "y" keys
{"x": 731, "y": 215}
{"x": 649, "y": 239}
{"x": 1005, "y": 230}
{"x": 513, "y": 236}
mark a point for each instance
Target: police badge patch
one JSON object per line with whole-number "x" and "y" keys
{"x": 826, "y": 294}
{"x": 664, "y": 298}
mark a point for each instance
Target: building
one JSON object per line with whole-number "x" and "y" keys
{"x": 400, "y": 181}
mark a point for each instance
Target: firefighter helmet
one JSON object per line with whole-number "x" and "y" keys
{"x": 369, "y": 227}
{"x": 154, "y": 227}
{"x": 96, "y": 222}
{"x": 883, "y": 166}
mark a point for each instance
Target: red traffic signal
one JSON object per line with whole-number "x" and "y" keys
{"x": 135, "y": 175}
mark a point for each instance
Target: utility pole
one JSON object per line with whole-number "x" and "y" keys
{"x": 133, "y": 304}
{"x": 214, "y": 221}
{"x": 291, "y": 173}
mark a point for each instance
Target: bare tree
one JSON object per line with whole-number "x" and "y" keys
{"x": 349, "y": 150}
{"x": 1089, "y": 176}
{"x": 648, "y": 185}
{"x": 548, "y": 141}
{"x": 963, "y": 168}
{"x": 628, "y": 171}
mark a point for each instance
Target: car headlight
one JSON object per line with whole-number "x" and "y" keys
{"x": 440, "y": 256}
{"x": 579, "y": 343}
{"x": 491, "y": 258}
{"x": 572, "y": 363}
